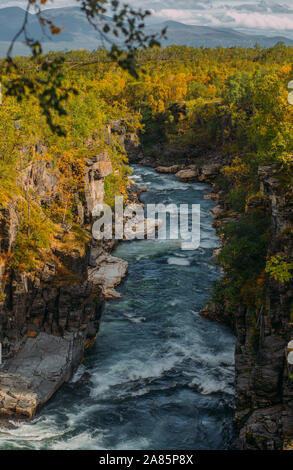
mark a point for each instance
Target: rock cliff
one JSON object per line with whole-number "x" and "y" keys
{"x": 48, "y": 318}
{"x": 263, "y": 376}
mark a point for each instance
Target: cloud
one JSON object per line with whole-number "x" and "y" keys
{"x": 262, "y": 15}
{"x": 262, "y": 21}
{"x": 258, "y": 15}
{"x": 264, "y": 6}
{"x": 184, "y": 16}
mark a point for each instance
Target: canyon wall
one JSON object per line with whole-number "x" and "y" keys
{"x": 264, "y": 382}
{"x": 263, "y": 377}
{"x": 48, "y": 318}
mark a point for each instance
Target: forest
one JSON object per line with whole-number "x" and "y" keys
{"x": 234, "y": 102}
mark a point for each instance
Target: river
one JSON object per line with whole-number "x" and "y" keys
{"x": 159, "y": 375}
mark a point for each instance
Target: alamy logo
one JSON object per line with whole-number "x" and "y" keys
{"x": 155, "y": 221}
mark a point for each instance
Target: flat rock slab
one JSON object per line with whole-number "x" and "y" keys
{"x": 108, "y": 275}
{"x": 29, "y": 380}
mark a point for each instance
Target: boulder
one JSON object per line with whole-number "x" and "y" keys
{"x": 17, "y": 396}
{"x": 108, "y": 274}
{"x": 210, "y": 171}
{"x": 188, "y": 175}
{"x": 168, "y": 169}
{"x": 217, "y": 211}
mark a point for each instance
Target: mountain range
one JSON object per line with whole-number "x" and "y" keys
{"x": 78, "y": 34}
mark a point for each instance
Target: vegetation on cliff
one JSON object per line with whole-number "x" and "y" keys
{"x": 27, "y": 140}
{"x": 230, "y": 101}
{"x": 230, "y": 104}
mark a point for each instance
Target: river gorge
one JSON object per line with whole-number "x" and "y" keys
{"x": 159, "y": 375}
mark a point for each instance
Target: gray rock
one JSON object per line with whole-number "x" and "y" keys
{"x": 43, "y": 364}
{"x": 92, "y": 262}
{"x": 108, "y": 274}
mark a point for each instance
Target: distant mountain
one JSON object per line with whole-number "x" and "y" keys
{"x": 196, "y": 36}
{"x": 78, "y": 34}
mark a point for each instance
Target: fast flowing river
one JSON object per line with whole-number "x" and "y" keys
{"x": 159, "y": 375}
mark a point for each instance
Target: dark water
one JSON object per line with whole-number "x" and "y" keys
{"x": 159, "y": 376}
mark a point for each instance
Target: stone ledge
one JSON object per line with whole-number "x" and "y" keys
{"x": 29, "y": 380}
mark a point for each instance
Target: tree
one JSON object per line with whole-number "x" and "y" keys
{"x": 125, "y": 22}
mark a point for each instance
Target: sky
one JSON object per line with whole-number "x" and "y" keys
{"x": 260, "y": 16}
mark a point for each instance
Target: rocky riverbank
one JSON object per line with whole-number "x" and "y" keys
{"x": 49, "y": 318}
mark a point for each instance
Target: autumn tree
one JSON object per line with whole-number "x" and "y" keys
{"x": 126, "y": 25}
